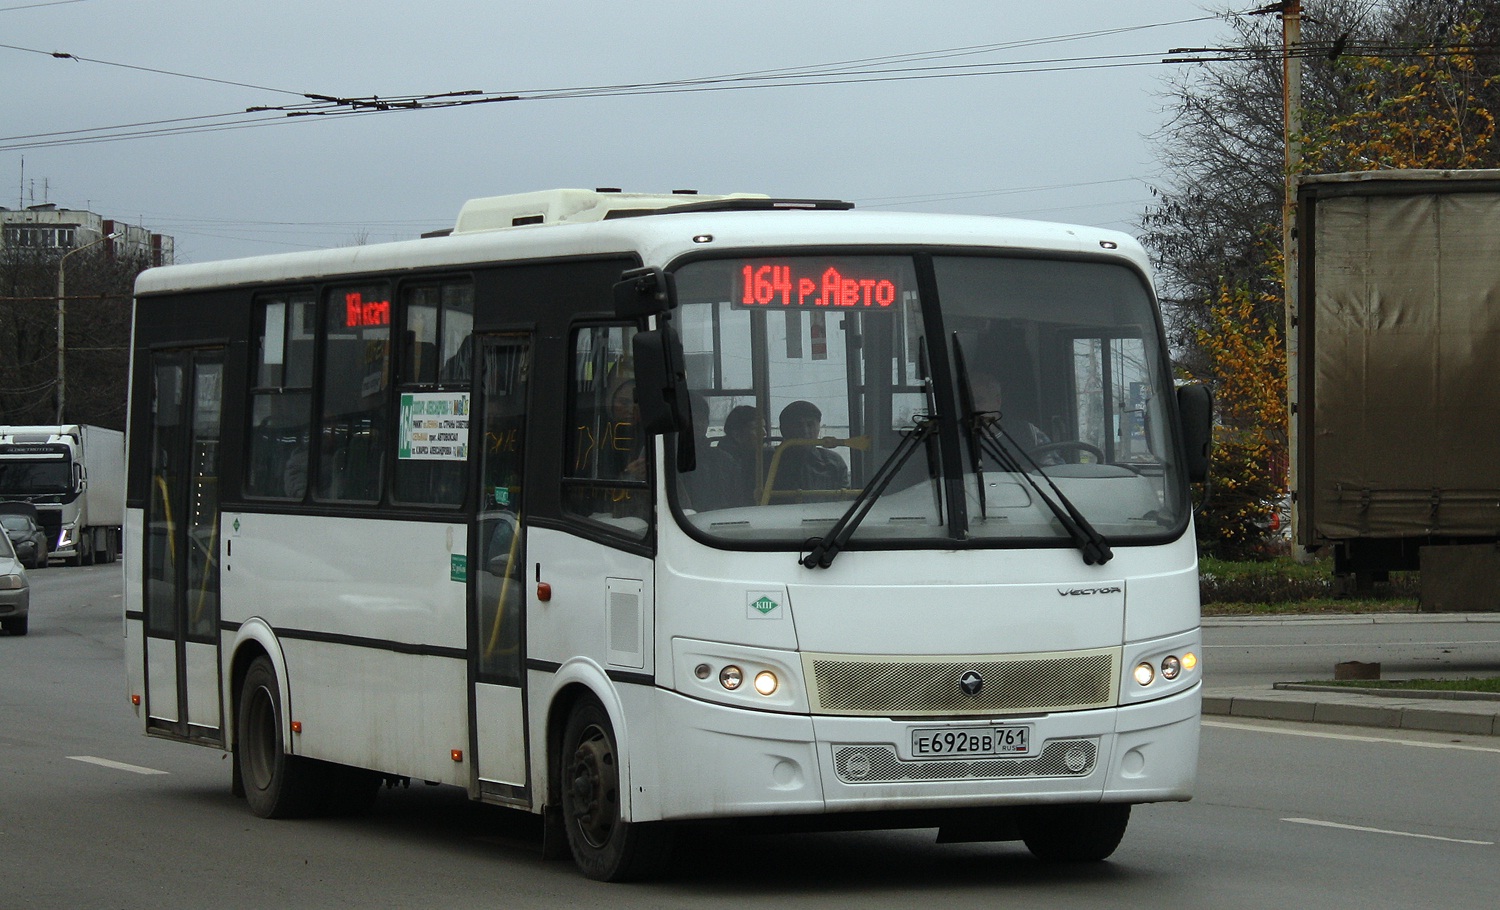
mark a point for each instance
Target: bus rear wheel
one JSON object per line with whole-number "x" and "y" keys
{"x": 604, "y": 846}
{"x": 275, "y": 784}
{"x": 1074, "y": 834}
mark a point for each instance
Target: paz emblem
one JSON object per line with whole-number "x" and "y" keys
{"x": 971, "y": 682}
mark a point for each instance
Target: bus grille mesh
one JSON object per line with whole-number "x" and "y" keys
{"x": 880, "y": 764}
{"x": 902, "y": 686}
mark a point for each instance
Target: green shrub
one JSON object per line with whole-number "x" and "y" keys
{"x": 1286, "y": 583}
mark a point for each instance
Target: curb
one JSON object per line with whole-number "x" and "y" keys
{"x": 1474, "y": 717}
{"x": 1347, "y": 619}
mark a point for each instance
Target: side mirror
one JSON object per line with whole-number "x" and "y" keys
{"x": 1195, "y": 405}
{"x": 641, "y": 293}
{"x": 661, "y": 389}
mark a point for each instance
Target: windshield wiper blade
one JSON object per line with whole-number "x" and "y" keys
{"x": 1000, "y": 445}
{"x": 826, "y": 548}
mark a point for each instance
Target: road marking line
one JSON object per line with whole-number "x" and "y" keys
{"x": 117, "y": 765}
{"x": 1446, "y": 643}
{"x": 1450, "y": 840}
{"x": 1350, "y": 737}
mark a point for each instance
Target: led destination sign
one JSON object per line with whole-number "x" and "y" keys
{"x": 863, "y": 285}
{"x": 362, "y": 313}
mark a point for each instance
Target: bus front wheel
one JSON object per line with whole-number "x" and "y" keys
{"x": 1074, "y": 834}
{"x": 275, "y": 784}
{"x": 604, "y": 846}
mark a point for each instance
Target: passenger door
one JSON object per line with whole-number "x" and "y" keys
{"x": 181, "y": 547}
{"x": 496, "y": 570}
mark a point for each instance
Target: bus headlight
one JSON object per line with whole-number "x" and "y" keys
{"x": 1170, "y": 667}
{"x": 766, "y": 682}
{"x": 760, "y": 679}
{"x": 1144, "y": 673}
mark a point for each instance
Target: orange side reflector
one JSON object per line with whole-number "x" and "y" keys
{"x": 457, "y": 754}
{"x": 543, "y": 591}
{"x": 296, "y": 726}
{"x": 135, "y": 700}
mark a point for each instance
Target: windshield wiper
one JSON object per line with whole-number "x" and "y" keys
{"x": 825, "y": 549}
{"x": 986, "y": 432}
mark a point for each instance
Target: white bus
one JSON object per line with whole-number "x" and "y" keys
{"x": 639, "y": 511}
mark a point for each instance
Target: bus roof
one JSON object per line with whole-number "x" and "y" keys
{"x": 488, "y": 231}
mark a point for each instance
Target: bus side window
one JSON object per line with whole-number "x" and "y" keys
{"x": 353, "y": 435}
{"x": 281, "y": 397}
{"x": 437, "y": 322}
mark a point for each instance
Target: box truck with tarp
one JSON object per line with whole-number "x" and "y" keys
{"x": 1395, "y": 376}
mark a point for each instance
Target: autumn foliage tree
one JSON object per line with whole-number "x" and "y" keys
{"x": 1429, "y": 111}
{"x": 1247, "y": 373}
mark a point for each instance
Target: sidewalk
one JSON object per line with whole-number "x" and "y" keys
{"x": 1445, "y": 712}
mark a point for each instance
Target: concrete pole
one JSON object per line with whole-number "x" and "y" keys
{"x": 62, "y": 309}
{"x": 61, "y": 322}
{"x": 1291, "y": 71}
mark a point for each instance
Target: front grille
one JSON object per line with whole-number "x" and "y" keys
{"x": 880, "y": 764}
{"x": 903, "y": 686}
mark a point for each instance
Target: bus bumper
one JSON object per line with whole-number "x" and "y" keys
{"x": 729, "y": 762}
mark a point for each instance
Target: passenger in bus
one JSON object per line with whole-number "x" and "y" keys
{"x": 294, "y": 473}
{"x": 744, "y": 448}
{"x": 805, "y": 463}
{"x": 707, "y": 486}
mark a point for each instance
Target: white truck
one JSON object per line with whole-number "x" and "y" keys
{"x": 75, "y": 476}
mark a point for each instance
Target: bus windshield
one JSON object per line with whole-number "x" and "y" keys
{"x": 1036, "y": 387}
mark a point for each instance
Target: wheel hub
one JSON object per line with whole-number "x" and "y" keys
{"x": 595, "y": 787}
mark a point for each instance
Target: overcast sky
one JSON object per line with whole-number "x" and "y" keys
{"x": 1066, "y": 139}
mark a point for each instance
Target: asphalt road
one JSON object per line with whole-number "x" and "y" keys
{"x": 95, "y": 815}
{"x": 1247, "y": 652}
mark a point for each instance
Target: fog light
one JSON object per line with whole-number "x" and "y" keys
{"x": 1144, "y": 673}
{"x": 1189, "y": 661}
{"x": 765, "y": 682}
{"x": 1170, "y": 667}
{"x": 730, "y": 677}
{"x": 702, "y": 670}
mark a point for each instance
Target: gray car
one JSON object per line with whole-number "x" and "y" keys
{"x": 15, "y": 591}
{"x": 28, "y": 538}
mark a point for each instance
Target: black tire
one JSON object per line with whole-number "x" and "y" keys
{"x": 1074, "y": 834}
{"x": 86, "y": 547}
{"x": 276, "y": 785}
{"x": 605, "y": 847}
{"x": 16, "y": 625}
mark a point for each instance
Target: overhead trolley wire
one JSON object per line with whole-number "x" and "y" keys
{"x": 890, "y": 68}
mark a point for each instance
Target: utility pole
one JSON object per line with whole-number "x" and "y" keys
{"x": 1291, "y": 76}
{"x": 62, "y": 309}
